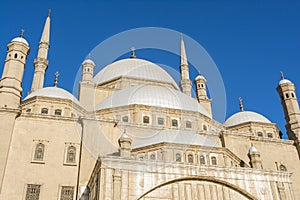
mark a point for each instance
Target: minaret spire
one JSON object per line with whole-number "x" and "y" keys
{"x": 185, "y": 82}
{"x": 241, "y": 104}
{"x": 41, "y": 62}
{"x": 281, "y": 74}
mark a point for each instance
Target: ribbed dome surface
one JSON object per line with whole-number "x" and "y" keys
{"x": 135, "y": 68}
{"x": 150, "y": 95}
{"x": 53, "y": 92}
{"x": 245, "y": 116}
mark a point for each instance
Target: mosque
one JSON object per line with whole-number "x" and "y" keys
{"x": 134, "y": 133}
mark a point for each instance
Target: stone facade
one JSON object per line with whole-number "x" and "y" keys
{"x": 133, "y": 134}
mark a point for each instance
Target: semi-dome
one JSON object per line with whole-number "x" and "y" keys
{"x": 245, "y": 116}
{"x": 20, "y": 39}
{"x": 134, "y": 68}
{"x": 152, "y": 95}
{"x": 53, "y": 92}
{"x": 174, "y": 137}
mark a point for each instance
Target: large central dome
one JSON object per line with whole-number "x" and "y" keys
{"x": 134, "y": 68}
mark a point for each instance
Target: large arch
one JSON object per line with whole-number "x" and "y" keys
{"x": 207, "y": 179}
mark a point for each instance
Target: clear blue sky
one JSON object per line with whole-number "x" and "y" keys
{"x": 250, "y": 41}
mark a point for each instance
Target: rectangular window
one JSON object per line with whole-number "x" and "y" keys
{"x": 67, "y": 193}
{"x": 125, "y": 119}
{"x": 188, "y": 124}
{"x": 160, "y": 121}
{"x": 33, "y": 192}
{"x": 174, "y": 122}
{"x": 146, "y": 119}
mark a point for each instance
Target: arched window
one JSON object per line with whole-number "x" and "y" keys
{"x": 213, "y": 160}
{"x": 39, "y": 152}
{"x": 125, "y": 119}
{"x": 270, "y": 135}
{"x": 178, "y": 157}
{"x": 287, "y": 95}
{"x": 282, "y": 168}
{"x": 16, "y": 55}
{"x": 190, "y": 158}
{"x": 259, "y": 134}
{"x": 57, "y": 112}
{"x": 152, "y": 157}
{"x": 204, "y": 127}
{"x": 146, "y": 119}
{"x": 71, "y": 154}
{"x": 174, "y": 122}
{"x": 202, "y": 159}
{"x": 188, "y": 124}
{"x": 293, "y": 95}
{"x": 44, "y": 111}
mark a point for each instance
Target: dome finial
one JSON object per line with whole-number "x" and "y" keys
{"x": 133, "y": 53}
{"x": 22, "y": 33}
{"x": 89, "y": 56}
{"x": 56, "y": 79}
{"x": 282, "y": 76}
{"x": 241, "y": 104}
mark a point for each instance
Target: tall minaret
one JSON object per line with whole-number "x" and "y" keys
{"x": 185, "y": 82}
{"x": 41, "y": 62}
{"x": 10, "y": 95}
{"x": 287, "y": 92}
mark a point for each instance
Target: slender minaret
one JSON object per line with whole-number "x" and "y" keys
{"x": 200, "y": 83}
{"x": 41, "y": 62}
{"x": 255, "y": 159}
{"x": 10, "y": 95}
{"x": 287, "y": 92}
{"x": 185, "y": 82}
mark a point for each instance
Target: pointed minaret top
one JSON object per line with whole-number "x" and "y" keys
{"x": 133, "y": 53}
{"x": 49, "y": 12}
{"x": 281, "y": 74}
{"x": 183, "y": 60}
{"x": 241, "y": 104}
{"x": 46, "y": 32}
{"x": 56, "y": 79}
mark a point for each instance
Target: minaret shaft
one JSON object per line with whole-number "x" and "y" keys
{"x": 185, "y": 82}
{"x": 41, "y": 62}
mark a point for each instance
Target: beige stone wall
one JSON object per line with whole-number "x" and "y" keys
{"x": 53, "y": 172}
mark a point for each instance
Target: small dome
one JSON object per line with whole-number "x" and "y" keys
{"x": 53, "y": 92}
{"x": 134, "y": 68}
{"x": 21, "y": 40}
{"x": 200, "y": 77}
{"x": 284, "y": 81}
{"x": 88, "y": 61}
{"x": 151, "y": 95}
{"x": 253, "y": 150}
{"x": 175, "y": 137}
{"x": 245, "y": 116}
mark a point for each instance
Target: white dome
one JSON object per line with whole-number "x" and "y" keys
{"x": 173, "y": 136}
{"x": 151, "y": 95}
{"x": 88, "y": 61}
{"x": 136, "y": 68}
{"x": 284, "y": 81}
{"x": 200, "y": 77}
{"x": 20, "y": 39}
{"x": 253, "y": 150}
{"x": 245, "y": 116}
{"x": 53, "y": 92}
